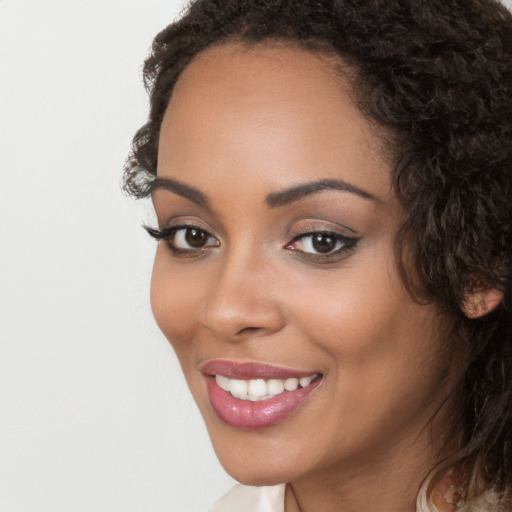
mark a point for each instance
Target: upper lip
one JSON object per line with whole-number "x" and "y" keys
{"x": 250, "y": 370}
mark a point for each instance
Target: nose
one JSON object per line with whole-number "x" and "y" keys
{"x": 242, "y": 301}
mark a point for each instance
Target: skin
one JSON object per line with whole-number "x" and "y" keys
{"x": 244, "y": 123}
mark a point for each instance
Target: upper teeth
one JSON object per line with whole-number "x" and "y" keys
{"x": 261, "y": 389}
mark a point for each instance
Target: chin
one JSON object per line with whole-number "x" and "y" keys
{"x": 257, "y": 474}
{"x": 256, "y": 461}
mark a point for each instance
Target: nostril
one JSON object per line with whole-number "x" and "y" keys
{"x": 249, "y": 330}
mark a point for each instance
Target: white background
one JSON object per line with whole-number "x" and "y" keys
{"x": 94, "y": 413}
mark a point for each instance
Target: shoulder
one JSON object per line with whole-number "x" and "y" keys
{"x": 244, "y": 498}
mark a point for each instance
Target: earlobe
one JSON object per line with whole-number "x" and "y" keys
{"x": 479, "y": 303}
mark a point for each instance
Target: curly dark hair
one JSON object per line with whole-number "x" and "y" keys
{"x": 437, "y": 76}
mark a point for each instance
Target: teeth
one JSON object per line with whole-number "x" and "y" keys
{"x": 223, "y": 382}
{"x": 305, "y": 381}
{"x": 261, "y": 389}
{"x": 275, "y": 386}
{"x": 257, "y": 387}
{"x": 238, "y": 387}
{"x": 290, "y": 384}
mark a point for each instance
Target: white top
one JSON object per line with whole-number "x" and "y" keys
{"x": 243, "y": 498}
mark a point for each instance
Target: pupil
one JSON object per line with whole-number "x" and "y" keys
{"x": 196, "y": 237}
{"x": 324, "y": 243}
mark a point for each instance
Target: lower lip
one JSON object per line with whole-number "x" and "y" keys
{"x": 253, "y": 415}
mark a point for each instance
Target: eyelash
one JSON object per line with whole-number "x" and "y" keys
{"x": 346, "y": 243}
{"x": 168, "y": 234}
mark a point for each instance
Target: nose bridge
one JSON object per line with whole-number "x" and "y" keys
{"x": 240, "y": 300}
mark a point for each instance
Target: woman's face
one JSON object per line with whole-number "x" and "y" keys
{"x": 278, "y": 264}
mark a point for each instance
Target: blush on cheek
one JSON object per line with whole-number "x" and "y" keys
{"x": 166, "y": 307}
{"x": 158, "y": 298}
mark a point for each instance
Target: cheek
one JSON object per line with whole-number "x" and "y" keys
{"x": 175, "y": 300}
{"x": 363, "y": 309}
{"x": 354, "y": 311}
{"x": 383, "y": 349}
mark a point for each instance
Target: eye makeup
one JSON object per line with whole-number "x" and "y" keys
{"x": 314, "y": 245}
{"x": 184, "y": 240}
{"x": 322, "y": 246}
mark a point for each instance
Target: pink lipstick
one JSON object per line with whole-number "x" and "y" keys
{"x": 253, "y": 395}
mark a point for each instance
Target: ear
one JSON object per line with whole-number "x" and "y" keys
{"x": 481, "y": 302}
{"x": 446, "y": 494}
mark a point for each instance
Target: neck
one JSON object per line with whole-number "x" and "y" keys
{"x": 385, "y": 482}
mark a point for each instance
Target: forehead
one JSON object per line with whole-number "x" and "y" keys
{"x": 274, "y": 109}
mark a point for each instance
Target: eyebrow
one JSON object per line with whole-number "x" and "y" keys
{"x": 295, "y": 193}
{"x": 274, "y": 199}
{"x": 188, "y": 192}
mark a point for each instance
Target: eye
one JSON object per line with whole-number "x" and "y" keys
{"x": 317, "y": 243}
{"x": 192, "y": 238}
{"x": 184, "y": 240}
{"x": 322, "y": 244}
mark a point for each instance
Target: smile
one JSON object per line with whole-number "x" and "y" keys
{"x": 253, "y": 396}
{"x": 261, "y": 389}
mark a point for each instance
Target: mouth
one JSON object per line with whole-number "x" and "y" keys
{"x": 261, "y": 389}
{"x": 252, "y": 396}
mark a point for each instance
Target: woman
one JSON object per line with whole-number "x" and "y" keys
{"x": 332, "y": 182}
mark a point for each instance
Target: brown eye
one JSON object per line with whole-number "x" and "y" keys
{"x": 323, "y": 242}
{"x": 196, "y": 237}
{"x": 322, "y": 246}
{"x": 320, "y": 243}
{"x": 192, "y": 238}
